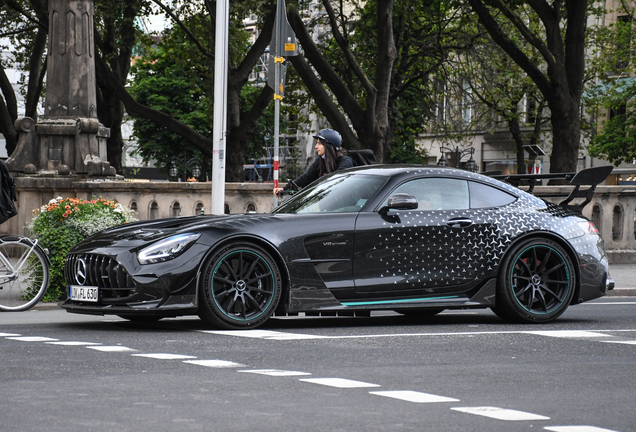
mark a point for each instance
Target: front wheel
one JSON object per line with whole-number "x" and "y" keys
{"x": 24, "y": 275}
{"x": 241, "y": 287}
{"x": 536, "y": 282}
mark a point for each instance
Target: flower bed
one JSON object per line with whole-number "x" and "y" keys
{"x": 64, "y": 222}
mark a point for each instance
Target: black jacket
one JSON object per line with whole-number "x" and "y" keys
{"x": 313, "y": 172}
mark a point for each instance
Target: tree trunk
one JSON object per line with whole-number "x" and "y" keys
{"x": 564, "y": 55}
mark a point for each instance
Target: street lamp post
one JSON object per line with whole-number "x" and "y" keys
{"x": 187, "y": 163}
{"x": 458, "y": 154}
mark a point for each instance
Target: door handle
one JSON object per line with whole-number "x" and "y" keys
{"x": 459, "y": 223}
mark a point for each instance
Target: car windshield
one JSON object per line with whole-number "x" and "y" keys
{"x": 336, "y": 194}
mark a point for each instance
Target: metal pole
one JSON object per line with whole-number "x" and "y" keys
{"x": 276, "y": 105}
{"x": 220, "y": 107}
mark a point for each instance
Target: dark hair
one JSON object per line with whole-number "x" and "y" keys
{"x": 332, "y": 159}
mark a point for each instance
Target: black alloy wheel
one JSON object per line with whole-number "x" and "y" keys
{"x": 241, "y": 287}
{"x": 536, "y": 282}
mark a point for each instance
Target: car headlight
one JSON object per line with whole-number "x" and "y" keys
{"x": 166, "y": 249}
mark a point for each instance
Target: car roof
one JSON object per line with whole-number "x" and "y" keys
{"x": 410, "y": 169}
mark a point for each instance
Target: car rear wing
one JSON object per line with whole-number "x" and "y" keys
{"x": 590, "y": 177}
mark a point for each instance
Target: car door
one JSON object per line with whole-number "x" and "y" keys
{"x": 442, "y": 246}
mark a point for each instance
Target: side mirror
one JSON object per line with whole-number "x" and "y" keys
{"x": 400, "y": 201}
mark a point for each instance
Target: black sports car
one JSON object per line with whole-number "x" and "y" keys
{"x": 413, "y": 239}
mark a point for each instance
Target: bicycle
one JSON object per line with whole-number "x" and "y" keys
{"x": 24, "y": 265}
{"x": 24, "y": 273}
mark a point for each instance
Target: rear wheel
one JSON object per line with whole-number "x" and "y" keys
{"x": 241, "y": 287}
{"x": 24, "y": 274}
{"x": 536, "y": 282}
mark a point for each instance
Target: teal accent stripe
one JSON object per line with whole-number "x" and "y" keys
{"x": 397, "y": 301}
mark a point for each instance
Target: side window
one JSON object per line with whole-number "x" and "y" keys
{"x": 484, "y": 196}
{"x": 437, "y": 193}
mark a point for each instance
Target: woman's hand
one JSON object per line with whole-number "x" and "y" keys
{"x": 277, "y": 190}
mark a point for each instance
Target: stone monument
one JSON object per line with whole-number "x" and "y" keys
{"x": 68, "y": 138}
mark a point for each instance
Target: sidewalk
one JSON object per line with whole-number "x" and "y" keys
{"x": 624, "y": 276}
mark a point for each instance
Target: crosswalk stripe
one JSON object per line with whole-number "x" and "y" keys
{"x": 568, "y": 333}
{"x": 339, "y": 382}
{"x": 413, "y": 396}
{"x": 577, "y": 429}
{"x": 628, "y": 342}
{"x": 73, "y": 343}
{"x": 163, "y": 356}
{"x": 214, "y": 363}
{"x": 501, "y": 413}
{"x": 275, "y": 372}
{"x": 32, "y": 339}
{"x": 264, "y": 334}
{"x": 113, "y": 348}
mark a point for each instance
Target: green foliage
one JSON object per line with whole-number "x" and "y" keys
{"x": 610, "y": 98}
{"x": 63, "y": 223}
{"x": 174, "y": 77}
{"x": 616, "y": 140}
{"x": 408, "y": 122}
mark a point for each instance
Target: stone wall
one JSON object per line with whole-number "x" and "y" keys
{"x": 613, "y": 211}
{"x": 151, "y": 200}
{"x": 613, "y": 208}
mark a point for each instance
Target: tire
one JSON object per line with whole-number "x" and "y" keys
{"x": 536, "y": 282}
{"x": 24, "y": 275}
{"x": 241, "y": 287}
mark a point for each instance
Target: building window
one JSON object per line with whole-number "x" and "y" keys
{"x": 133, "y": 206}
{"x": 226, "y": 208}
{"x": 623, "y": 42}
{"x": 199, "y": 210}
{"x": 250, "y": 208}
{"x": 154, "y": 211}
{"x": 176, "y": 209}
{"x": 467, "y": 104}
{"x": 617, "y": 223}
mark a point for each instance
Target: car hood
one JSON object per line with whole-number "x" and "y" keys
{"x": 136, "y": 234}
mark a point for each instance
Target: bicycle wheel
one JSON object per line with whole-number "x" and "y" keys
{"x": 24, "y": 275}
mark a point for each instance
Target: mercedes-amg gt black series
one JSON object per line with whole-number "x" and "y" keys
{"x": 413, "y": 239}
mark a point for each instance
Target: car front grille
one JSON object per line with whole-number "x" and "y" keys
{"x": 101, "y": 271}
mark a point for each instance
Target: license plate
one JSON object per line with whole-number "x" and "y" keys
{"x": 84, "y": 293}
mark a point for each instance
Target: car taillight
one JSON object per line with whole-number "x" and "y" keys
{"x": 588, "y": 227}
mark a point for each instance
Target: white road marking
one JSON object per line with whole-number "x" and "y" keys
{"x": 339, "y": 382}
{"x": 264, "y": 334}
{"x": 413, "y": 396}
{"x": 32, "y": 339}
{"x": 273, "y": 335}
{"x": 275, "y": 372}
{"x": 622, "y": 342}
{"x": 9, "y": 334}
{"x": 501, "y": 413}
{"x": 568, "y": 333}
{"x": 73, "y": 343}
{"x": 609, "y": 303}
{"x": 163, "y": 356}
{"x": 113, "y": 348}
{"x": 577, "y": 429}
{"x": 214, "y": 363}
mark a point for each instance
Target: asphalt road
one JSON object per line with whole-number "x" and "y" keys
{"x": 460, "y": 371}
